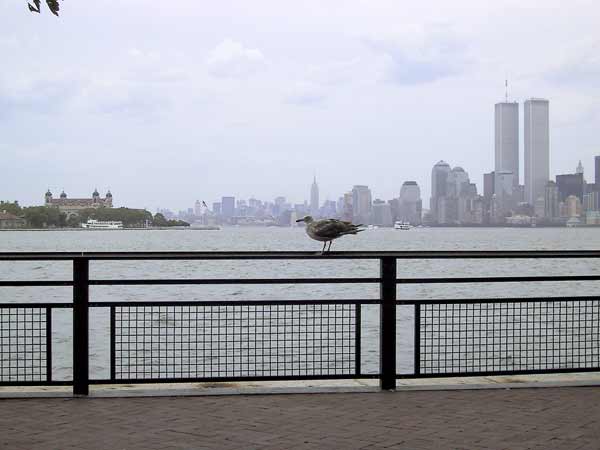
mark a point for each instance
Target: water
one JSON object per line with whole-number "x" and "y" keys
{"x": 240, "y": 238}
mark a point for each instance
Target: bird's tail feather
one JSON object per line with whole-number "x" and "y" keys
{"x": 352, "y": 231}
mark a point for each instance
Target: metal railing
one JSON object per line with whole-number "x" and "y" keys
{"x": 197, "y": 341}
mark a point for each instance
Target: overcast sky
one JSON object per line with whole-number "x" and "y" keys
{"x": 168, "y": 102}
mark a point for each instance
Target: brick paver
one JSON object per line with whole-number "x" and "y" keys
{"x": 548, "y": 419}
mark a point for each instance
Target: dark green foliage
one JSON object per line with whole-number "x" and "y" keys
{"x": 160, "y": 221}
{"x": 44, "y": 217}
{"x": 11, "y": 208}
{"x": 53, "y": 6}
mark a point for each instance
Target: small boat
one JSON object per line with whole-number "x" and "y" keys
{"x": 93, "y": 224}
{"x": 399, "y": 225}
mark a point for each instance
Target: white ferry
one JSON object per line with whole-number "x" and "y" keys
{"x": 402, "y": 225}
{"x": 103, "y": 225}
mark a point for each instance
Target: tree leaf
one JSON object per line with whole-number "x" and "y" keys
{"x": 35, "y": 8}
{"x": 53, "y": 6}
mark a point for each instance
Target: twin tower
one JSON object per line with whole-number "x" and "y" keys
{"x": 536, "y": 127}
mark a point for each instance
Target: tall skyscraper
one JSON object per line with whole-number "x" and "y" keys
{"x": 410, "y": 207}
{"x": 597, "y": 170}
{"x": 488, "y": 185}
{"x": 439, "y": 185}
{"x": 314, "y": 197}
{"x": 228, "y": 207}
{"x": 382, "y": 213}
{"x": 551, "y": 200}
{"x": 361, "y": 204}
{"x": 579, "y": 168}
{"x": 506, "y": 143}
{"x": 504, "y": 193}
{"x": 537, "y": 148}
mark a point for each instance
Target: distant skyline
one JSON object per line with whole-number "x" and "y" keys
{"x": 168, "y": 103}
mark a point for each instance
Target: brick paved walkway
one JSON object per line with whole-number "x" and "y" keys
{"x": 548, "y": 419}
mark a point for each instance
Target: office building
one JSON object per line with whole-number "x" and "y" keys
{"x": 410, "y": 203}
{"x": 504, "y": 194}
{"x": 439, "y": 184}
{"x": 551, "y": 201}
{"x": 591, "y": 201}
{"x": 346, "y": 210}
{"x": 314, "y": 198}
{"x": 228, "y": 207}
{"x": 537, "y": 148}
{"x": 506, "y": 142}
{"x": 570, "y": 184}
{"x": 488, "y": 185}
{"x": 361, "y": 204}
{"x": 382, "y": 213}
{"x": 573, "y": 205}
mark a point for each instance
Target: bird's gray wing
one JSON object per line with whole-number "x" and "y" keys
{"x": 331, "y": 228}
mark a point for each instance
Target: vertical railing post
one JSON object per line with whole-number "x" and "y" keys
{"x": 387, "y": 319}
{"x": 80, "y": 326}
{"x": 417, "y": 337}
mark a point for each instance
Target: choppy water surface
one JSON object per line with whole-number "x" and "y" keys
{"x": 239, "y": 238}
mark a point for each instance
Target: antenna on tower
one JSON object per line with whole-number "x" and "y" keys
{"x": 506, "y": 89}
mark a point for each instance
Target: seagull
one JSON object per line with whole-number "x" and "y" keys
{"x": 326, "y": 230}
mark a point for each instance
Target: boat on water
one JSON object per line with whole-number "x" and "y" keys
{"x": 402, "y": 225}
{"x": 93, "y": 224}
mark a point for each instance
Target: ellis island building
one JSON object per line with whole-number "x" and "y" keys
{"x": 72, "y": 206}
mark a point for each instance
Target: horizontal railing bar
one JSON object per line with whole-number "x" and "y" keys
{"x": 25, "y": 283}
{"x": 199, "y": 281}
{"x": 36, "y": 305}
{"x": 103, "y": 304}
{"x": 35, "y": 383}
{"x": 349, "y": 376}
{"x": 477, "y": 254}
{"x": 237, "y": 302}
{"x": 491, "y": 373}
{"x": 142, "y": 281}
{"x": 497, "y": 300}
{"x": 498, "y": 279}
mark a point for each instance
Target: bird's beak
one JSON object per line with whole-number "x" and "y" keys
{"x": 299, "y": 220}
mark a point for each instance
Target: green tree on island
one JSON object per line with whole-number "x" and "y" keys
{"x": 160, "y": 221}
{"x": 44, "y": 217}
{"x": 11, "y": 208}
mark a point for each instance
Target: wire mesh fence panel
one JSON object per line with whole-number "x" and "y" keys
{"x": 23, "y": 345}
{"x": 509, "y": 336}
{"x": 220, "y": 341}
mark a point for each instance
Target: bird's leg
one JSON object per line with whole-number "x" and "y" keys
{"x": 323, "y": 250}
{"x": 329, "y": 248}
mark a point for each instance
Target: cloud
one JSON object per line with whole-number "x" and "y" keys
{"x": 420, "y": 54}
{"x": 230, "y": 59}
